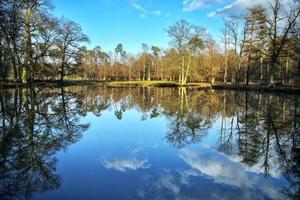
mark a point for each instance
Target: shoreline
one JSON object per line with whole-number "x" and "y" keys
{"x": 201, "y": 86}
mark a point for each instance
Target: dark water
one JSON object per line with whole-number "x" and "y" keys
{"x": 92, "y": 142}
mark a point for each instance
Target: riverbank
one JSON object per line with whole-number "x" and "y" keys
{"x": 10, "y": 84}
{"x": 257, "y": 87}
{"x": 218, "y": 86}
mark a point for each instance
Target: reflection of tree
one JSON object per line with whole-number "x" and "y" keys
{"x": 291, "y": 163}
{"x": 187, "y": 125}
{"x": 250, "y": 137}
{"x": 292, "y": 168}
{"x": 266, "y": 136}
{"x": 119, "y": 114}
{"x": 154, "y": 113}
{"x": 34, "y": 126}
{"x": 119, "y": 111}
{"x": 187, "y": 129}
{"x": 262, "y": 130}
{"x": 226, "y": 136}
{"x": 92, "y": 102}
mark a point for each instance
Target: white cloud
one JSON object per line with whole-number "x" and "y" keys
{"x": 191, "y": 5}
{"x": 237, "y": 7}
{"x": 143, "y": 11}
{"x": 126, "y": 164}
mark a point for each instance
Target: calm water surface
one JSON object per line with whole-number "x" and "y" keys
{"x": 89, "y": 142}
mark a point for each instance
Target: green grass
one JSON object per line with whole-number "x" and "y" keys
{"x": 143, "y": 83}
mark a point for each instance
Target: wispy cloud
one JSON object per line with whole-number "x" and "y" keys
{"x": 145, "y": 11}
{"x": 236, "y": 8}
{"x": 191, "y": 5}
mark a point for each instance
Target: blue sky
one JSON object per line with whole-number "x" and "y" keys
{"x": 133, "y": 22}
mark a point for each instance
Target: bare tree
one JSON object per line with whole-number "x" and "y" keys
{"x": 278, "y": 40}
{"x": 70, "y": 35}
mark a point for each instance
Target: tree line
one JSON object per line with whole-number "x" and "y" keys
{"x": 261, "y": 46}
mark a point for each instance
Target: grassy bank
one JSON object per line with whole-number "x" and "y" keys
{"x": 142, "y": 84}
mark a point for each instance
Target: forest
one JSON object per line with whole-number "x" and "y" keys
{"x": 260, "y": 47}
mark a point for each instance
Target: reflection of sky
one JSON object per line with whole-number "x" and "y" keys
{"x": 130, "y": 159}
{"x": 224, "y": 171}
{"x": 213, "y": 141}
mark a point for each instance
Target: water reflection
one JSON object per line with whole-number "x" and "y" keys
{"x": 35, "y": 124}
{"x": 123, "y": 165}
{"x": 231, "y": 144}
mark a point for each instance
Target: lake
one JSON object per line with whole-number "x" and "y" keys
{"x": 93, "y": 142}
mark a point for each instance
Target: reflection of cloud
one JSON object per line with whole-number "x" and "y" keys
{"x": 167, "y": 181}
{"x": 142, "y": 147}
{"x": 225, "y": 171}
{"x": 126, "y": 164}
{"x": 215, "y": 166}
{"x": 186, "y": 174}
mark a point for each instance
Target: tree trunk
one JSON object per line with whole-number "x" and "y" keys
{"x": 261, "y": 70}
{"x": 62, "y": 72}
{"x": 226, "y": 56}
{"x": 14, "y": 65}
{"x": 187, "y": 70}
{"x": 149, "y": 74}
{"x": 212, "y": 80}
{"x": 161, "y": 73}
{"x": 144, "y": 71}
{"x": 248, "y": 73}
{"x": 225, "y": 73}
{"x": 287, "y": 66}
{"x": 181, "y": 78}
{"x": 129, "y": 78}
{"x": 27, "y": 74}
{"x": 249, "y": 54}
{"x": 1, "y": 64}
{"x": 234, "y": 77}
